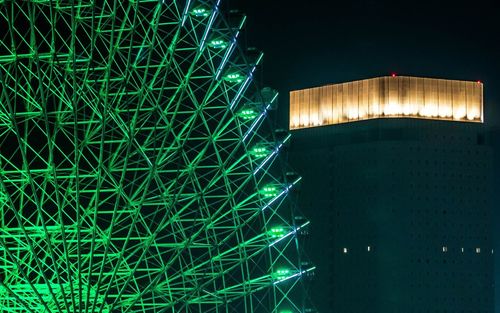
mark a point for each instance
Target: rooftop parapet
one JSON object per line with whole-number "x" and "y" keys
{"x": 387, "y": 97}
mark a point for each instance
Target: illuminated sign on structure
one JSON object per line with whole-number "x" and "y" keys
{"x": 387, "y": 97}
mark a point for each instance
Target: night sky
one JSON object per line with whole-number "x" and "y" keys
{"x": 311, "y": 43}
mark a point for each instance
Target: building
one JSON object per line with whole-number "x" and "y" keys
{"x": 397, "y": 181}
{"x": 493, "y": 139}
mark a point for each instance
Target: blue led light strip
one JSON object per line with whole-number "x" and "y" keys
{"x": 281, "y": 193}
{"x": 290, "y": 233}
{"x": 275, "y": 151}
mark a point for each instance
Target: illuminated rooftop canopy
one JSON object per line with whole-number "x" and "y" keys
{"x": 387, "y": 97}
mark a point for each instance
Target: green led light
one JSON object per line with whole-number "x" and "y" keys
{"x": 277, "y": 232}
{"x": 217, "y": 44}
{"x": 259, "y": 151}
{"x": 248, "y": 114}
{"x": 269, "y": 191}
{"x": 281, "y": 274}
{"x": 200, "y": 12}
{"x": 235, "y": 78}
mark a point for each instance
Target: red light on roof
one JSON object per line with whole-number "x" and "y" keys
{"x": 393, "y": 74}
{"x": 479, "y": 82}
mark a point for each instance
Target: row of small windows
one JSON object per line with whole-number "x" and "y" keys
{"x": 444, "y": 249}
{"x": 478, "y": 263}
{"x": 405, "y": 165}
{"x": 451, "y": 276}
{"x": 376, "y": 147}
{"x": 345, "y": 250}
{"x": 348, "y": 183}
{"x": 454, "y": 200}
{"x": 417, "y": 148}
{"x": 448, "y": 162}
{"x": 350, "y": 210}
{"x": 444, "y": 211}
{"x": 449, "y": 311}
{"x": 470, "y": 226}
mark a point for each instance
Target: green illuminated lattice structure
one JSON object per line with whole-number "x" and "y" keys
{"x": 138, "y": 170}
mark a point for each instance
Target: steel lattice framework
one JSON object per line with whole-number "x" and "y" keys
{"x": 138, "y": 170}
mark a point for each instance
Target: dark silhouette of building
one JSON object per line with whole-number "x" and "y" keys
{"x": 400, "y": 203}
{"x": 493, "y": 139}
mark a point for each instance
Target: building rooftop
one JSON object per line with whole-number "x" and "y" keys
{"x": 387, "y": 97}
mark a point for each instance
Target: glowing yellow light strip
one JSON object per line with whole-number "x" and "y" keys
{"x": 387, "y": 97}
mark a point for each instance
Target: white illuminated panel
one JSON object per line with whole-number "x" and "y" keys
{"x": 387, "y": 97}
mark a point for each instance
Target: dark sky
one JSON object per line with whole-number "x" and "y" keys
{"x": 309, "y": 43}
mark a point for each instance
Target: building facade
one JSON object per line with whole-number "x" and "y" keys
{"x": 400, "y": 199}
